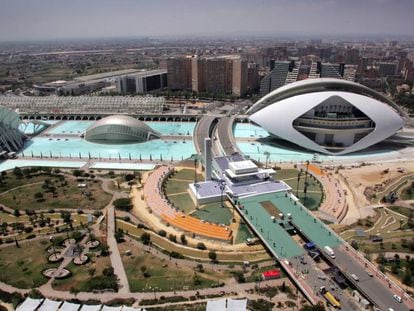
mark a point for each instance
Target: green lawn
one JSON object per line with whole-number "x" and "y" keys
{"x": 22, "y": 267}
{"x": 407, "y": 193}
{"x": 314, "y": 192}
{"x": 402, "y": 210}
{"x": 163, "y": 275}
{"x": 183, "y": 202}
{"x": 10, "y": 181}
{"x": 68, "y": 196}
{"x": 176, "y": 186}
{"x": 213, "y": 212}
{"x": 243, "y": 233}
{"x": 187, "y": 174}
{"x": 286, "y": 174}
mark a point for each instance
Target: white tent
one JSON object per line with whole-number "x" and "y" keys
{"x": 50, "y": 305}
{"x": 107, "y": 308}
{"x": 236, "y": 304}
{"x": 91, "y": 308}
{"x": 29, "y": 304}
{"x": 68, "y": 306}
{"x": 216, "y": 305}
{"x": 125, "y": 308}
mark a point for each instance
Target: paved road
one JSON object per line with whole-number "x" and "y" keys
{"x": 225, "y": 135}
{"x": 115, "y": 256}
{"x": 374, "y": 286}
{"x": 203, "y": 131}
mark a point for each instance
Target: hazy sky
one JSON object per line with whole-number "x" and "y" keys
{"x": 54, "y": 19}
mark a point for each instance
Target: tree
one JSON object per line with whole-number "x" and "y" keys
{"x": 119, "y": 235}
{"x": 183, "y": 239}
{"x": 317, "y": 307}
{"x": 38, "y": 196}
{"x": 145, "y": 238}
{"x": 123, "y": 204}
{"x": 162, "y": 233}
{"x": 172, "y": 238}
{"x": 18, "y": 172}
{"x": 212, "y": 255}
{"x": 201, "y": 245}
{"x": 77, "y": 173}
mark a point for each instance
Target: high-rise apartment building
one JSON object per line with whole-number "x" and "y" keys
{"x": 179, "y": 73}
{"x": 221, "y": 75}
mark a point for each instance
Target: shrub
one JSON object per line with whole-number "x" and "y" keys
{"x": 162, "y": 233}
{"x": 176, "y": 255}
{"x": 212, "y": 255}
{"x": 145, "y": 238}
{"x": 201, "y": 245}
{"x": 172, "y": 238}
{"x": 123, "y": 204}
{"x": 183, "y": 239}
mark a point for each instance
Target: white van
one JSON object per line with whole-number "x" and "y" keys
{"x": 355, "y": 277}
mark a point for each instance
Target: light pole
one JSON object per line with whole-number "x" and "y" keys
{"x": 305, "y": 189}
{"x": 195, "y": 171}
{"x": 222, "y": 187}
{"x": 267, "y": 154}
{"x": 297, "y": 187}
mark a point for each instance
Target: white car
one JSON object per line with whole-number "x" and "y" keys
{"x": 398, "y": 298}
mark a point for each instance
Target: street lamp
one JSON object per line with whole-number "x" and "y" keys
{"x": 305, "y": 189}
{"x": 297, "y": 187}
{"x": 267, "y": 154}
{"x": 222, "y": 186}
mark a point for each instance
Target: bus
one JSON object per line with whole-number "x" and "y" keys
{"x": 330, "y": 298}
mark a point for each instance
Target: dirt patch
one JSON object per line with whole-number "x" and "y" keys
{"x": 270, "y": 208}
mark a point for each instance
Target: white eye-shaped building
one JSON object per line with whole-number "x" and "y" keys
{"x": 330, "y": 116}
{"x": 119, "y": 129}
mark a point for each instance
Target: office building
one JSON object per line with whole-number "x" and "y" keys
{"x": 388, "y": 69}
{"x": 142, "y": 82}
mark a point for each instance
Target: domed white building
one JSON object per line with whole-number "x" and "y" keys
{"x": 330, "y": 116}
{"x": 119, "y": 129}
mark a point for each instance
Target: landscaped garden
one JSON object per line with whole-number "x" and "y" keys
{"x": 97, "y": 274}
{"x": 147, "y": 272}
{"x": 44, "y": 189}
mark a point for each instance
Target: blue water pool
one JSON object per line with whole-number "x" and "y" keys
{"x": 248, "y": 130}
{"x": 10, "y": 164}
{"x": 165, "y": 128}
{"x": 78, "y": 147}
{"x": 260, "y": 151}
{"x": 71, "y": 127}
{"x": 31, "y": 128}
{"x": 173, "y": 128}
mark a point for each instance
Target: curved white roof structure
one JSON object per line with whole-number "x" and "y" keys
{"x": 11, "y": 139}
{"x": 329, "y": 116}
{"x": 119, "y": 128}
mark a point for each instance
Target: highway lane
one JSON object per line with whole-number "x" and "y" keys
{"x": 202, "y": 131}
{"x": 372, "y": 286}
{"x": 225, "y": 135}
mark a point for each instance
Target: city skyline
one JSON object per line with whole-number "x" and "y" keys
{"x": 29, "y": 20}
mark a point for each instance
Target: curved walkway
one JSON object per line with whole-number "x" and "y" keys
{"x": 160, "y": 206}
